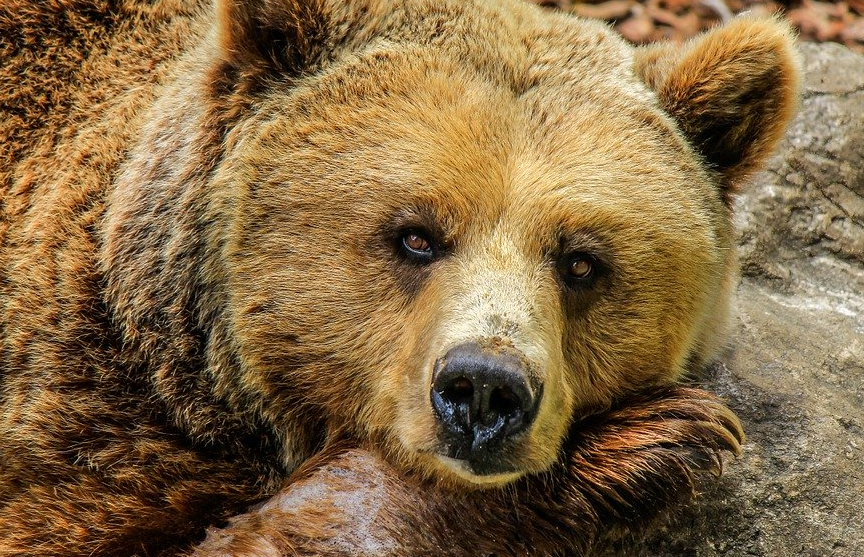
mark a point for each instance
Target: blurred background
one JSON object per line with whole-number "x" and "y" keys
{"x": 653, "y": 20}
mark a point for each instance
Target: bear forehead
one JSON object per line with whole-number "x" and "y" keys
{"x": 420, "y": 126}
{"x": 509, "y": 42}
{"x": 519, "y": 111}
{"x": 512, "y": 45}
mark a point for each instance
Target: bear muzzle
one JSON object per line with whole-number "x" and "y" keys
{"x": 483, "y": 397}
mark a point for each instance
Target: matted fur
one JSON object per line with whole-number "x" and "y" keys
{"x": 198, "y": 291}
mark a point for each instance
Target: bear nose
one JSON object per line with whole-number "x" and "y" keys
{"x": 482, "y": 398}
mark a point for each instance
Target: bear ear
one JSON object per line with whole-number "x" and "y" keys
{"x": 732, "y": 91}
{"x": 286, "y": 36}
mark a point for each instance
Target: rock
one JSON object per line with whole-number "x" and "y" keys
{"x": 795, "y": 370}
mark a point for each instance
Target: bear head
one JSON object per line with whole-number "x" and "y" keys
{"x": 454, "y": 227}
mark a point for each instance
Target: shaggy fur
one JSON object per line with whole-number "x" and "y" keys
{"x": 199, "y": 284}
{"x": 622, "y": 468}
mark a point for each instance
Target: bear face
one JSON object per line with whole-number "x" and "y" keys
{"x": 508, "y": 191}
{"x": 454, "y": 228}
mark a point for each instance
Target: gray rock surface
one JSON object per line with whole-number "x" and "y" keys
{"x": 795, "y": 370}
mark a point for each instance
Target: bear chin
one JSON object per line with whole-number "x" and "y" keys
{"x": 467, "y": 472}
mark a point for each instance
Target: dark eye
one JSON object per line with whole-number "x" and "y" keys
{"x": 416, "y": 245}
{"x": 579, "y": 269}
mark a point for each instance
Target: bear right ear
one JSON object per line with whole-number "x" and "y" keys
{"x": 732, "y": 90}
{"x": 287, "y": 36}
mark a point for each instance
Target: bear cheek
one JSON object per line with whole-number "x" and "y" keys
{"x": 647, "y": 327}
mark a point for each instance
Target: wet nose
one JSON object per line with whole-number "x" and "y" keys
{"x": 482, "y": 397}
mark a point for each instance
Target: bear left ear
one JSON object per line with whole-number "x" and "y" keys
{"x": 263, "y": 35}
{"x": 732, "y": 91}
{"x": 287, "y": 36}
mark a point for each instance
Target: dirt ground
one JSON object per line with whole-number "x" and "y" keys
{"x": 653, "y": 20}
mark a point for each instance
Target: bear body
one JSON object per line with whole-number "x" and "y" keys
{"x": 233, "y": 236}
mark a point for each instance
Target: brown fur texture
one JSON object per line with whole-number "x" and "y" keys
{"x": 622, "y": 469}
{"x": 199, "y": 208}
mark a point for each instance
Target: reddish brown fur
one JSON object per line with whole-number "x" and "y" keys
{"x": 623, "y": 468}
{"x": 178, "y": 334}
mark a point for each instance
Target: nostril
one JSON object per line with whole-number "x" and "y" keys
{"x": 454, "y": 402}
{"x": 503, "y": 402}
{"x": 460, "y": 391}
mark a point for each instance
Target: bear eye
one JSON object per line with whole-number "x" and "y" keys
{"x": 579, "y": 269}
{"x": 417, "y": 246}
{"x": 416, "y": 242}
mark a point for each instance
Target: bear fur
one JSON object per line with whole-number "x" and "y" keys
{"x": 200, "y": 298}
{"x": 621, "y": 469}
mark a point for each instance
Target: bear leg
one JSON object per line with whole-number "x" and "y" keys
{"x": 620, "y": 469}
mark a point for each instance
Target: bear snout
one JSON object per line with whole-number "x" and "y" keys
{"x": 483, "y": 399}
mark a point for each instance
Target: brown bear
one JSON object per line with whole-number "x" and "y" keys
{"x": 475, "y": 242}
